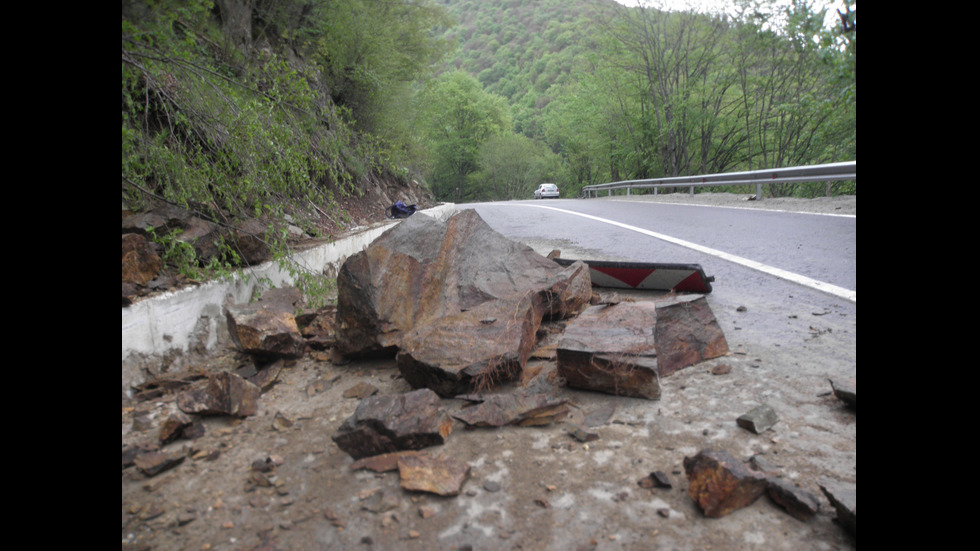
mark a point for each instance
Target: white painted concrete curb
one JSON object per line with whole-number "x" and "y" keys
{"x": 158, "y": 332}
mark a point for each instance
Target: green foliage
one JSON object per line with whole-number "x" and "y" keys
{"x": 457, "y": 116}
{"x": 267, "y": 108}
{"x": 629, "y": 93}
{"x": 511, "y": 166}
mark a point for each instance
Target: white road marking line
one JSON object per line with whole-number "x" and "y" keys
{"x": 777, "y": 272}
{"x": 740, "y": 208}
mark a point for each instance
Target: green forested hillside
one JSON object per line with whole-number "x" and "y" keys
{"x": 263, "y": 108}
{"x": 617, "y": 93}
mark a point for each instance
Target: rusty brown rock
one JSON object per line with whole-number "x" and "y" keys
{"x": 224, "y": 394}
{"x": 267, "y": 328}
{"x": 381, "y": 463}
{"x": 687, "y": 333}
{"x": 154, "y": 463}
{"x": 436, "y": 475}
{"x": 475, "y": 349}
{"x": 140, "y": 263}
{"x": 497, "y": 410}
{"x": 720, "y": 484}
{"x": 423, "y": 270}
{"x": 612, "y": 349}
{"x": 173, "y": 427}
{"x": 385, "y": 424}
{"x": 360, "y": 391}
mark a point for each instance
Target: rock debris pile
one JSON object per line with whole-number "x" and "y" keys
{"x": 462, "y": 309}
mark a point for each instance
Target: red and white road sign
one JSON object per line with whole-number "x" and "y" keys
{"x": 648, "y": 276}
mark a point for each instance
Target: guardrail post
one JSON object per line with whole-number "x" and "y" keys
{"x": 758, "y": 192}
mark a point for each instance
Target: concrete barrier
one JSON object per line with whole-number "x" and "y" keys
{"x": 164, "y": 332}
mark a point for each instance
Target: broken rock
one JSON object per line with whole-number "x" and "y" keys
{"x": 154, "y": 463}
{"x": 423, "y": 269}
{"x": 687, "y": 333}
{"x": 843, "y": 497}
{"x": 385, "y": 424}
{"x": 612, "y": 349}
{"x": 173, "y": 427}
{"x": 441, "y": 476}
{"x": 224, "y": 394}
{"x": 720, "y": 484}
{"x": 521, "y": 409}
{"x": 758, "y": 420}
{"x": 797, "y": 502}
{"x": 267, "y": 328}
{"x": 462, "y": 352}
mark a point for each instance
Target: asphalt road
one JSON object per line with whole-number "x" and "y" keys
{"x": 781, "y": 278}
{"x": 811, "y": 246}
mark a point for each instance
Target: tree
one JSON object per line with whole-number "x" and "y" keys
{"x": 457, "y": 116}
{"x": 511, "y": 165}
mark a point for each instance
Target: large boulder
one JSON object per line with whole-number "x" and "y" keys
{"x": 436, "y": 289}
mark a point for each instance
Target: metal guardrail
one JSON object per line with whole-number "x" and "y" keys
{"x": 815, "y": 173}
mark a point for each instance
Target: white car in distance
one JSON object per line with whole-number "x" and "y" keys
{"x": 546, "y": 190}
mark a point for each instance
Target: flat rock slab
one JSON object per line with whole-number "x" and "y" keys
{"x": 720, "y": 484}
{"x": 687, "y": 333}
{"x": 843, "y": 496}
{"x": 497, "y": 410}
{"x": 385, "y": 424}
{"x": 436, "y": 475}
{"x": 797, "y": 502}
{"x": 154, "y": 463}
{"x": 612, "y": 348}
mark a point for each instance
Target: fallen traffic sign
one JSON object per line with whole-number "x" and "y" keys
{"x": 646, "y": 276}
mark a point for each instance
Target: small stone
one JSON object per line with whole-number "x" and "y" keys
{"x": 361, "y": 391}
{"x": 185, "y": 518}
{"x": 721, "y": 369}
{"x": 720, "y": 484}
{"x": 491, "y": 486}
{"x": 281, "y": 423}
{"x": 759, "y": 419}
